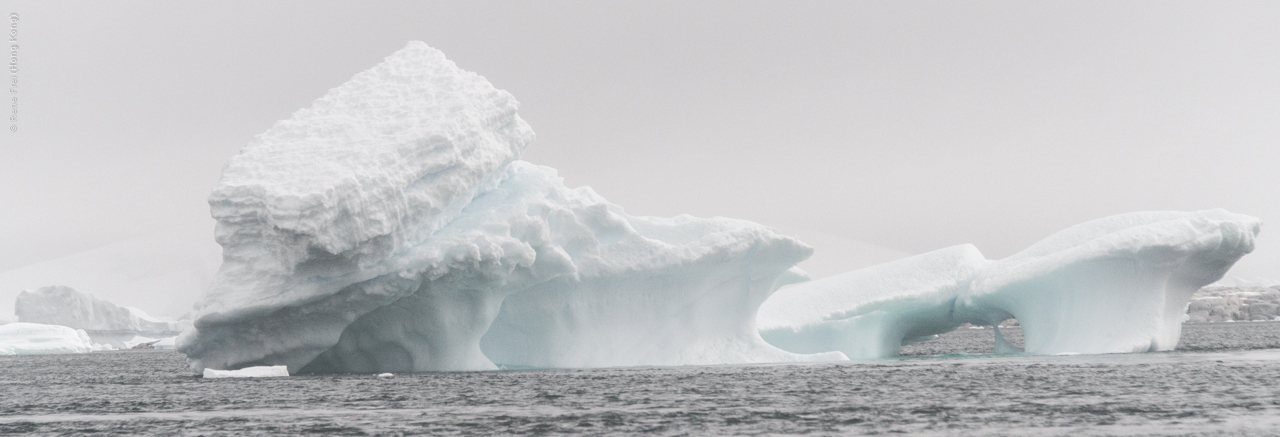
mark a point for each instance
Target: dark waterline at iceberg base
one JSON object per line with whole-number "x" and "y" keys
{"x": 1221, "y": 380}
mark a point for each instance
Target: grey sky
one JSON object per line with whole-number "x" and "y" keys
{"x": 911, "y": 125}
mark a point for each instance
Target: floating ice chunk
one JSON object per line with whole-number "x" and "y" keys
{"x": 1116, "y": 284}
{"x": 872, "y": 312}
{"x": 137, "y": 340}
{"x": 59, "y": 305}
{"x": 167, "y": 343}
{"x": 248, "y": 372}
{"x": 386, "y": 376}
{"x": 391, "y": 227}
{"x": 33, "y": 338}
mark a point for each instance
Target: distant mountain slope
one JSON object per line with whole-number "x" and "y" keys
{"x": 163, "y": 273}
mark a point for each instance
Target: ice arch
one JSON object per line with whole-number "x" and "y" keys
{"x": 1116, "y": 284}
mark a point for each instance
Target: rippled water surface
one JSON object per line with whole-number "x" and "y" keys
{"x": 1224, "y": 380}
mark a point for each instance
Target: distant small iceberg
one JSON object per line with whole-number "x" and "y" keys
{"x": 106, "y": 323}
{"x": 248, "y": 372}
{"x": 35, "y": 338}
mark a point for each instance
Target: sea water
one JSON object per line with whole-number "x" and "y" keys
{"x": 1222, "y": 380}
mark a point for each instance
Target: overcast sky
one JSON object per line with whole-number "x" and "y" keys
{"x": 910, "y": 125}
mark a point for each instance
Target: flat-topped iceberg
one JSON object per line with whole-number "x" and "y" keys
{"x": 391, "y": 227}
{"x": 34, "y": 338}
{"x": 1116, "y": 284}
{"x": 60, "y": 305}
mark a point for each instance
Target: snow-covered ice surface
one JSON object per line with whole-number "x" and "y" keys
{"x": 60, "y": 305}
{"x": 1112, "y": 285}
{"x": 391, "y": 227}
{"x": 34, "y": 338}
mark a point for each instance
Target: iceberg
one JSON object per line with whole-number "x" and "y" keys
{"x": 60, "y": 305}
{"x": 33, "y": 338}
{"x": 1113, "y": 285}
{"x": 392, "y": 227}
{"x": 248, "y": 372}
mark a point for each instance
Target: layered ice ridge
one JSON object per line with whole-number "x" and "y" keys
{"x": 1112, "y": 285}
{"x": 391, "y": 227}
{"x": 373, "y": 167}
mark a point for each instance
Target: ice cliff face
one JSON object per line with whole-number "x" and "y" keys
{"x": 59, "y": 305}
{"x": 1117, "y": 284}
{"x": 391, "y": 227}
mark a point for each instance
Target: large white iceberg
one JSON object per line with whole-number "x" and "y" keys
{"x": 34, "y": 338}
{"x": 1117, "y": 284}
{"x": 390, "y": 227}
{"x": 60, "y": 305}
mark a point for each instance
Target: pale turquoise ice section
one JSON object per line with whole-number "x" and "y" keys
{"x": 1112, "y": 285}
